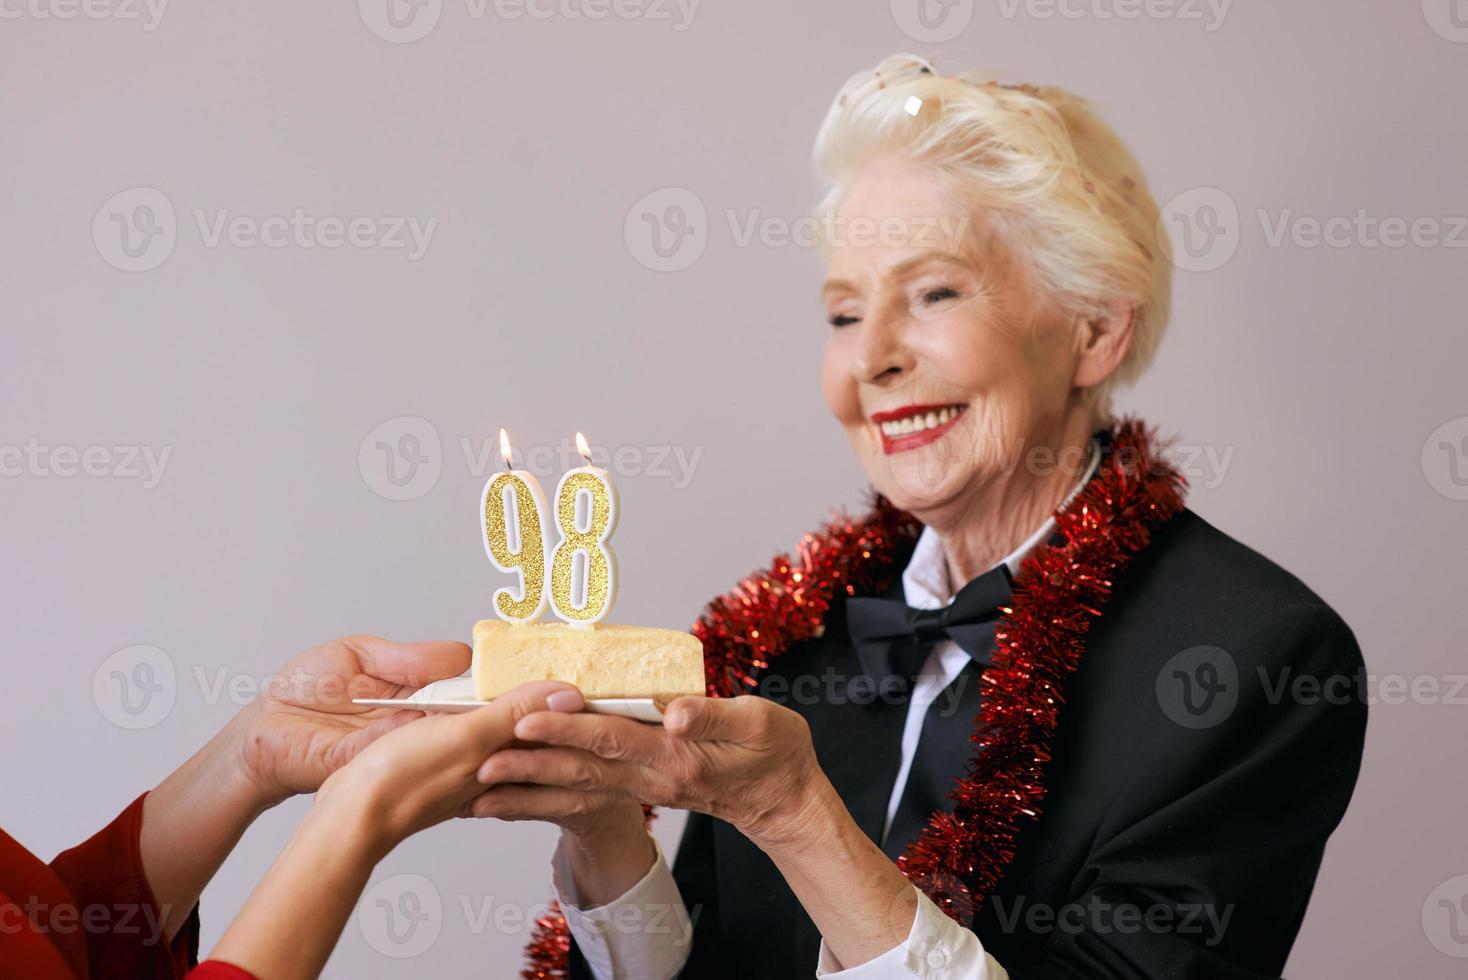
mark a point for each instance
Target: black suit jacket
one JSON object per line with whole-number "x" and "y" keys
{"x": 1182, "y": 831}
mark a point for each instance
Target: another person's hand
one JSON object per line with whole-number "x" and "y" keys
{"x": 418, "y": 775}
{"x": 745, "y": 760}
{"x": 304, "y": 726}
{"x": 301, "y": 728}
{"x": 603, "y": 831}
{"x": 427, "y": 771}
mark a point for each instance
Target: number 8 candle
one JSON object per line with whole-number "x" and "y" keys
{"x": 598, "y": 581}
{"x": 514, "y": 499}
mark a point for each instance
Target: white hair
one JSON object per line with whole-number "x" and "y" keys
{"x": 1061, "y": 189}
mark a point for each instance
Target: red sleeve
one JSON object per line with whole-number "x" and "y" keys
{"x": 219, "y": 970}
{"x": 122, "y": 923}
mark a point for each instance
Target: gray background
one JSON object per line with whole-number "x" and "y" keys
{"x": 1323, "y": 370}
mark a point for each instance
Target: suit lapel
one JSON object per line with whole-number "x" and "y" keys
{"x": 857, "y": 735}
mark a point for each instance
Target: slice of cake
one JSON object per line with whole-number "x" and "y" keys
{"x": 604, "y": 661}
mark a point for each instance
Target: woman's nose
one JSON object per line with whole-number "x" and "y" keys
{"x": 882, "y": 356}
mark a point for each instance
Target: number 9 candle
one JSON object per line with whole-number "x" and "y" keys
{"x": 598, "y": 582}
{"x": 513, "y": 499}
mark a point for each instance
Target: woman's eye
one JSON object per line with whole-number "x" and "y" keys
{"x": 939, "y": 295}
{"x": 842, "y": 320}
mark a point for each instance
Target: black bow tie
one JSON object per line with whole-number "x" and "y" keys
{"x": 892, "y": 639}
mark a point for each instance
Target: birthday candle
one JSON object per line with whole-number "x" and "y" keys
{"x": 585, "y": 598}
{"x": 516, "y": 538}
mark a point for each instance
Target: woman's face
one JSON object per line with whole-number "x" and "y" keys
{"x": 943, "y": 364}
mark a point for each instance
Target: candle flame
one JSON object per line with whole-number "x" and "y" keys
{"x": 582, "y": 447}
{"x": 505, "y": 447}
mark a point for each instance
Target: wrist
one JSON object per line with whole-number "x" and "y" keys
{"x": 607, "y": 861}
{"x": 803, "y": 821}
{"x": 358, "y": 823}
{"x": 229, "y": 773}
{"x": 239, "y": 737}
{"x": 618, "y": 829}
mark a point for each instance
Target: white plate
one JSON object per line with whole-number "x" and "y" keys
{"x": 456, "y": 694}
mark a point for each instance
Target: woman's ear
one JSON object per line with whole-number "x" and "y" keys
{"x": 1102, "y": 342}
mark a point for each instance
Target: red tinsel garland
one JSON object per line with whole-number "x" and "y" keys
{"x": 959, "y": 857}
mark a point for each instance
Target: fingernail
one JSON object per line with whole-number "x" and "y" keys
{"x": 566, "y": 701}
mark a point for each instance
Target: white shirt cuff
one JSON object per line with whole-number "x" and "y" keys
{"x": 644, "y": 934}
{"x": 936, "y": 948}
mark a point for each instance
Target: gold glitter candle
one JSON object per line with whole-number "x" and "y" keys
{"x": 588, "y": 598}
{"x": 514, "y": 500}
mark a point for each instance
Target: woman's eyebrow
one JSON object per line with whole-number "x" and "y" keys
{"x": 907, "y": 265}
{"x": 899, "y": 269}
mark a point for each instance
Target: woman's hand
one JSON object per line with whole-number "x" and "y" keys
{"x": 414, "y": 777}
{"x": 427, "y": 771}
{"x": 746, "y": 760}
{"x": 603, "y": 832}
{"x": 304, "y": 726}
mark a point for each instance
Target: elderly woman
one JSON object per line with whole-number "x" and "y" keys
{"x": 1030, "y": 717}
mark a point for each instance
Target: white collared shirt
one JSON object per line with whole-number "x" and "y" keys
{"x": 936, "y": 948}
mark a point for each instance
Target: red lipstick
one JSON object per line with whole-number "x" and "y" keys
{"x": 914, "y": 426}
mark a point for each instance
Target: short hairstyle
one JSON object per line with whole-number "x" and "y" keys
{"x": 1063, "y": 191}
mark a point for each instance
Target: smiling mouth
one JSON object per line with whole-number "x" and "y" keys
{"x": 914, "y": 426}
